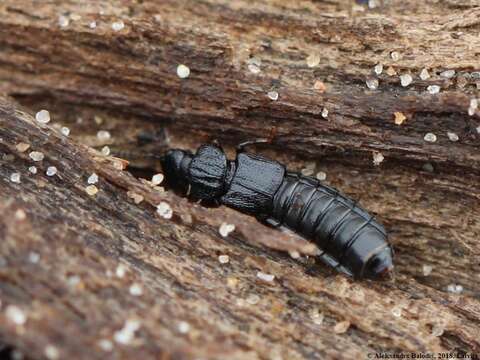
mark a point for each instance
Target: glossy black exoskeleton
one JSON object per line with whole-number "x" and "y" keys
{"x": 351, "y": 239}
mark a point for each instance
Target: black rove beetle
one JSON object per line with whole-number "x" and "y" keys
{"x": 351, "y": 240}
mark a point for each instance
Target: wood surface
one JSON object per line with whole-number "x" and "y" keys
{"x": 61, "y": 248}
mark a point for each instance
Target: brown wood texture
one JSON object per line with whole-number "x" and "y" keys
{"x": 125, "y": 81}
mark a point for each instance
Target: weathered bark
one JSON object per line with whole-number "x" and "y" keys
{"x": 127, "y": 81}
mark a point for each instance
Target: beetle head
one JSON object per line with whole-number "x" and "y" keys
{"x": 175, "y": 165}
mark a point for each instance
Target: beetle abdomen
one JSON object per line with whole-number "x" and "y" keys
{"x": 351, "y": 240}
{"x": 339, "y": 227}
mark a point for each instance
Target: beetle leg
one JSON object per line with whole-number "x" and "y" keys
{"x": 269, "y": 139}
{"x": 330, "y": 261}
{"x": 212, "y": 203}
{"x": 216, "y": 142}
{"x": 271, "y": 222}
{"x": 216, "y": 203}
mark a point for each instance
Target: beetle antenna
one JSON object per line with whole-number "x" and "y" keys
{"x": 241, "y": 147}
{"x": 135, "y": 154}
{"x": 273, "y": 132}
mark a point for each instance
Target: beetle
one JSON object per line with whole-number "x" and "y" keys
{"x": 350, "y": 239}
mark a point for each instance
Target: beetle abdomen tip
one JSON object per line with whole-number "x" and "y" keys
{"x": 381, "y": 264}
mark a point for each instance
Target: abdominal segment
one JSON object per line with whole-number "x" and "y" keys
{"x": 346, "y": 233}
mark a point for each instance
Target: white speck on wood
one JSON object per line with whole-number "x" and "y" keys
{"x": 225, "y": 229}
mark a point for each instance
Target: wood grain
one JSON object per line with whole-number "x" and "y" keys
{"x": 125, "y": 82}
